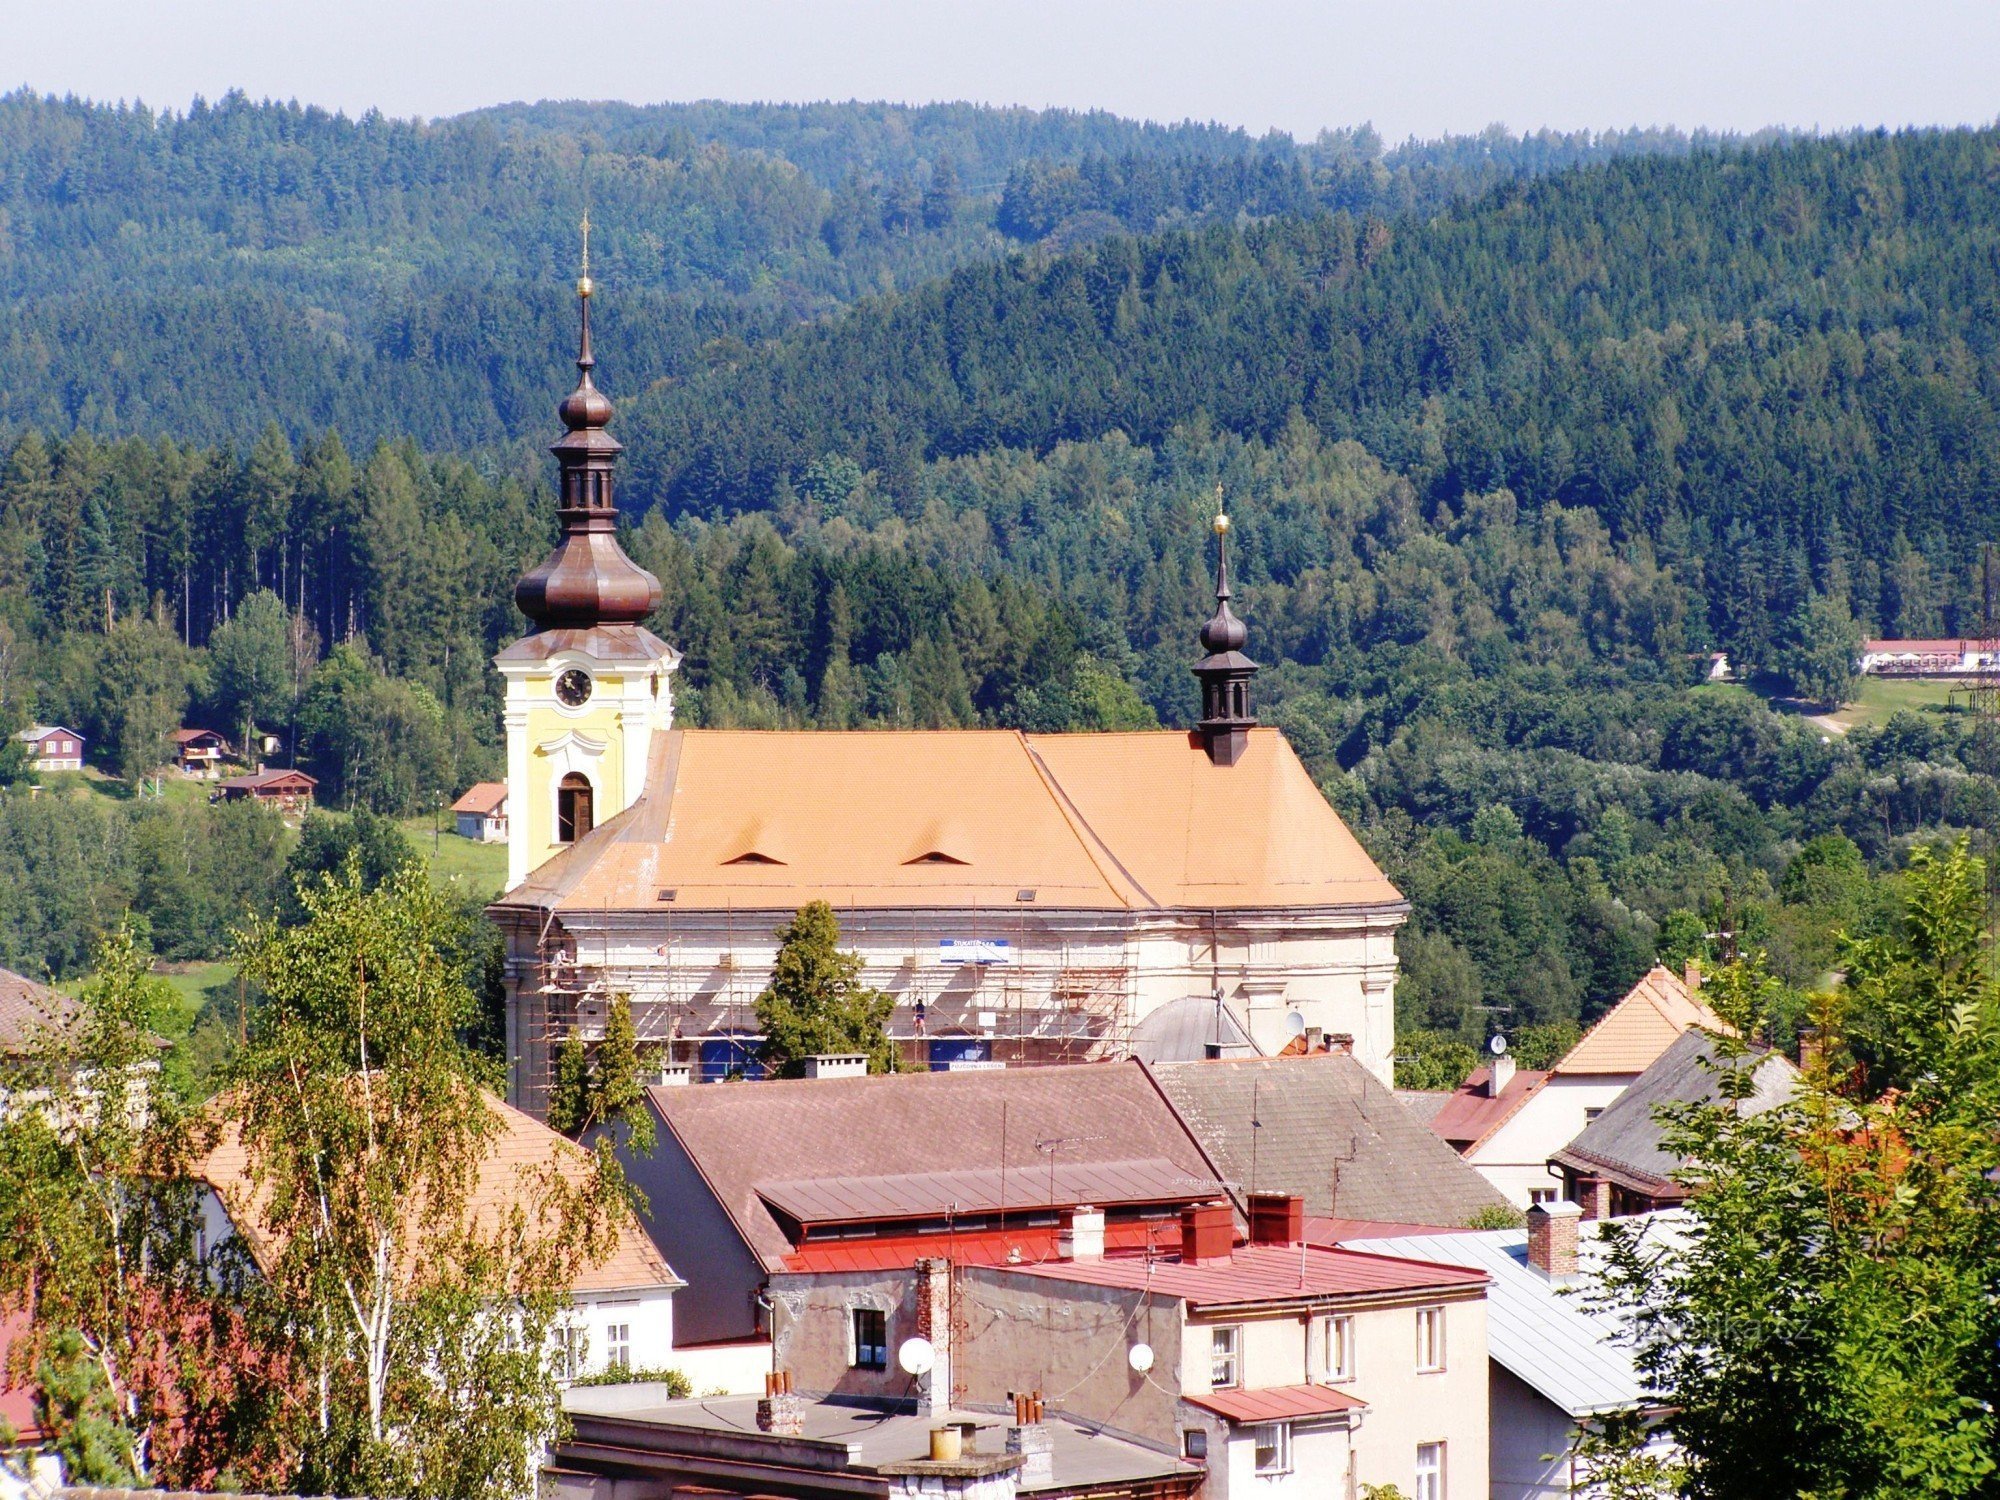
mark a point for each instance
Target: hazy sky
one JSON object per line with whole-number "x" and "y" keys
{"x": 1411, "y": 66}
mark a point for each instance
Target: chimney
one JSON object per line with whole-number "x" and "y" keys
{"x": 1208, "y": 1233}
{"x": 1277, "y": 1219}
{"x": 1029, "y": 1437}
{"x": 1596, "y": 1198}
{"x": 1340, "y": 1041}
{"x": 837, "y": 1065}
{"x": 1812, "y": 1048}
{"x": 1691, "y": 975}
{"x": 934, "y": 1323}
{"x": 781, "y": 1412}
{"x": 1501, "y": 1076}
{"x": 669, "y": 1075}
{"x": 1082, "y": 1236}
{"x": 1315, "y": 1039}
{"x": 1552, "y": 1239}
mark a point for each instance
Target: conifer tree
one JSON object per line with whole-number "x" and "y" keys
{"x": 816, "y": 1002}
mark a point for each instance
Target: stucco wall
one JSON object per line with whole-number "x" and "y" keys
{"x": 1525, "y": 1426}
{"x": 1516, "y": 1159}
{"x": 694, "y": 1234}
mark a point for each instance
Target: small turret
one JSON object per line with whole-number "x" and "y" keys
{"x": 1225, "y": 672}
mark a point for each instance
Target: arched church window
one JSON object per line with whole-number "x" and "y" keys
{"x": 573, "y": 808}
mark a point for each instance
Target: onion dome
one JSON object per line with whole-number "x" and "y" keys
{"x": 1225, "y": 672}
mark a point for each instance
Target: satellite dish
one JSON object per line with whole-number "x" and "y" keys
{"x": 1498, "y": 1046}
{"x": 916, "y": 1356}
{"x": 1140, "y": 1358}
{"x": 1295, "y": 1023}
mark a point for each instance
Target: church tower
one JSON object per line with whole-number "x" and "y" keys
{"x": 1225, "y": 672}
{"x": 589, "y": 686}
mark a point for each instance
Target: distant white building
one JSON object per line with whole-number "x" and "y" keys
{"x": 481, "y": 814}
{"x": 51, "y": 747}
{"x": 1926, "y": 658}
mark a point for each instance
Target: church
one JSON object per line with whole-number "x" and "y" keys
{"x": 1025, "y": 898}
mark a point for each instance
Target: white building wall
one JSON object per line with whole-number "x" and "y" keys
{"x": 1515, "y": 1160}
{"x": 647, "y": 1316}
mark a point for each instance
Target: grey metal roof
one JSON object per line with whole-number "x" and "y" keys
{"x": 1326, "y": 1129}
{"x": 904, "y": 1195}
{"x": 1084, "y": 1454}
{"x": 1184, "y": 1030}
{"x": 1626, "y": 1138}
{"x": 1543, "y": 1334}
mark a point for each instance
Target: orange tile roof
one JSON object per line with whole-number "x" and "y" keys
{"x": 27, "y": 1008}
{"x": 482, "y": 797}
{"x": 766, "y": 820}
{"x": 520, "y": 1147}
{"x": 1634, "y": 1032}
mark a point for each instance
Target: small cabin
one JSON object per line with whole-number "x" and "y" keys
{"x": 199, "y": 752}
{"x": 291, "y": 792}
{"x": 481, "y": 813}
{"x": 51, "y": 747}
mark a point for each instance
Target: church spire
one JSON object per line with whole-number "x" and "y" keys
{"x": 1225, "y": 672}
{"x": 588, "y": 580}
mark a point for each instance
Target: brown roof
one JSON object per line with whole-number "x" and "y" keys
{"x": 1277, "y": 1403}
{"x": 26, "y": 1007}
{"x": 520, "y": 1147}
{"x": 1470, "y": 1115}
{"x": 751, "y": 1136}
{"x": 912, "y": 1195}
{"x": 767, "y": 820}
{"x": 269, "y": 781}
{"x": 1265, "y": 1273}
{"x": 482, "y": 797}
{"x": 189, "y": 736}
{"x": 1324, "y": 1128}
{"x": 1638, "y": 1029}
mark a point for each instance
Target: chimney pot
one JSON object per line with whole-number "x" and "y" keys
{"x": 1082, "y": 1236}
{"x": 1277, "y": 1219}
{"x": 1552, "y": 1239}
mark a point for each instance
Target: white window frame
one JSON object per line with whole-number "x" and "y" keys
{"x": 1279, "y": 1436}
{"x": 1336, "y": 1336}
{"x": 617, "y": 1346}
{"x": 1430, "y": 1340}
{"x": 1430, "y": 1480}
{"x": 1543, "y": 1195}
{"x": 855, "y": 1347}
{"x": 1230, "y": 1361}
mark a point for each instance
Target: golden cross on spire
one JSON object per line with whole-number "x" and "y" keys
{"x": 1221, "y": 522}
{"x": 583, "y": 283}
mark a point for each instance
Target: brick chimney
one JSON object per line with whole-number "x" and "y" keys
{"x": 1277, "y": 1219}
{"x": 1028, "y": 1435}
{"x": 934, "y": 1323}
{"x": 1082, "y": 1234}
{"x": 1691, "y": 975}
{"x": 1552, "y": 1239}
{"x": 781, "y": 1412}
{"x": 1812, "y": 1048}
{"x": 1208, "y": 1233}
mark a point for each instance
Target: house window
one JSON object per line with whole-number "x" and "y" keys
{"x": 573, "y": 808}
{"x": 871, "y": 1339}
{"x": 1224, "y": 1358}
{"x": 618, "y": 1346}
{"x": 1543, "y": 1195}
{"x": 1273, "y": 1447}
{"x": 1430, "y": 1338}
{"x": 569, "y": 1352}
{"x": 1430, "y": 1471}
{"x": 1591, "y": 1112}
{"x": 1194, "y": 1444}
{"x": 1336, "y": 1345}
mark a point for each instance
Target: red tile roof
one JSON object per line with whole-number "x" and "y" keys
{"x": 1277, "y": 1403}
{"x": 27, "y": 1007}
{"x": 917, "y": 1195}
{"x": 1032, "y": 1244}
{"x": 482, "y": 797}
{"x": 1265, "y": 1273}
{"x": 1470, "y": 1115}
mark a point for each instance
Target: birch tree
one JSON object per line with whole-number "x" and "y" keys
{"x": 425, "y": 1314}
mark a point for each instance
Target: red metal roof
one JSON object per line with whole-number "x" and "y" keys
{"x": 1277, "y": 1403}
{"x": 17, "y": 1402}
{"x": 1031, "y": 1244}
{"x": 1471, "y": 1115}
{"x": 1265, "y": 1273}
{"x": 913, "y": 1195}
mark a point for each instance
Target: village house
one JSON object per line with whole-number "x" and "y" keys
{"x": 51, "y": 747}
{"x": 1559, "y": 1362}
{"x": 621, "y": 1314}
{"x": 1025, "y": 898}
{"x": 1508, "y": 1122}
{"x": 290, "y": 792}
{"x": 199, "y": 752}
{"x": 1957, "y": 657}
{"x": 481, "y": 814}
{"x": 1619, "y": 1165}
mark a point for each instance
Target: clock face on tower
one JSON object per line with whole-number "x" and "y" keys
{"x": 573, "y": 688}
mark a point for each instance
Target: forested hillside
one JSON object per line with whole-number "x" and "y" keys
{"x": 1505, "y": 468}
{"x": 396, "y": 277}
